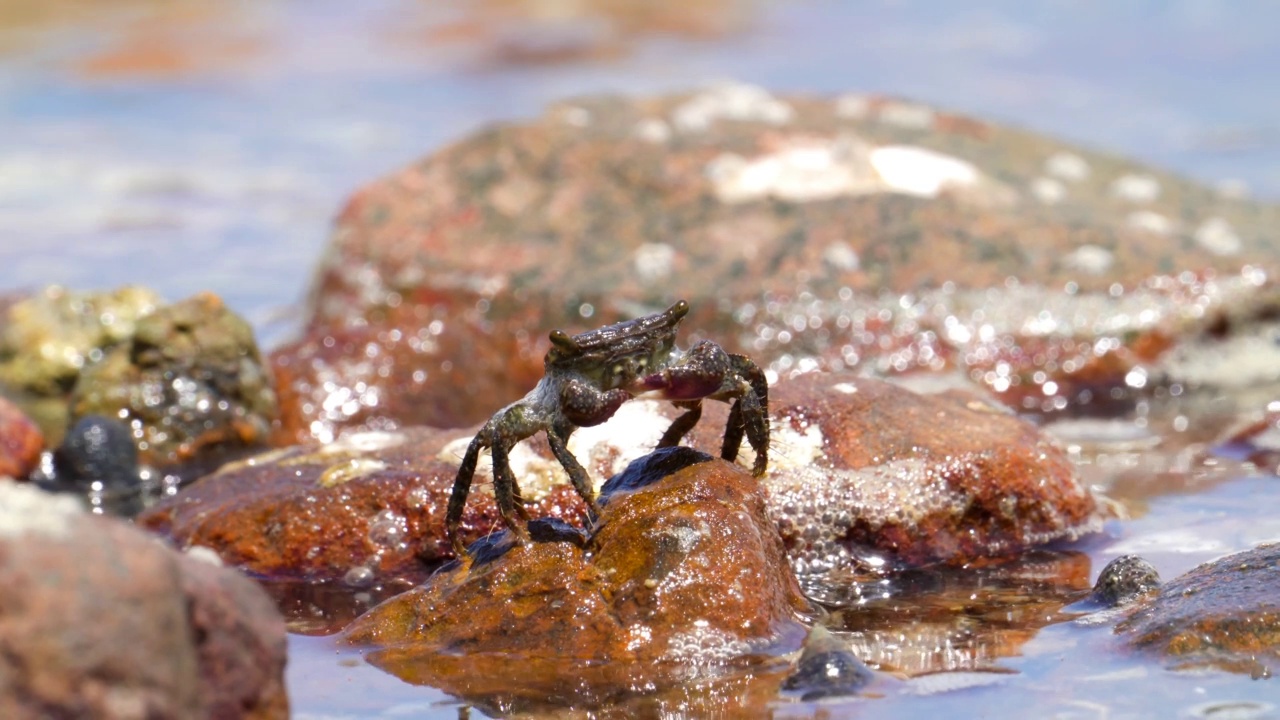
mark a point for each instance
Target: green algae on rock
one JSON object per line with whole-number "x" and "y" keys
{"x": 51, "y": 336}
{"x": 189, "y": 381}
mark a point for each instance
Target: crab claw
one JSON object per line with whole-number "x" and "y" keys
{"x": 700, "y": 373}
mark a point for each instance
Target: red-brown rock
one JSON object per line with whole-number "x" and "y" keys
{"x": 20, "y": 442}
{"x": 681, "y": 574}
{"x": 428, "y": 363}
{"x": 861, "y": 468}
{"x": 859, "y": 231}
{"x": 364, "y": 507}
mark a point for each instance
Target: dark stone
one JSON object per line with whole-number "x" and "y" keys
{"x": 1124, "y": 580}
{"x": 827, "y": 668}
{"x": 650, "y": 469}
{"x": 97, "y": 448}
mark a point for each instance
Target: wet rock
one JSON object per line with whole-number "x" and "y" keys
{"x": 827, "y": 668}
{"x": 438, "y": 363}
{"x": 867, "y": 473}
{"x": 188, "y": 381}
{"x": 1124, "y": 580}
{"x": 47, "y": 339}
{"x": 20, "y": 442}
{"x": 364, "y": 507}
{"x": 103, "y": 621}
{"x": 97, "y": 449}
{"x": 1224, "y": 614}
{"x": 859, "y": 231}
{"x": 860, "y": 471}
{"x": 681, "y": 577}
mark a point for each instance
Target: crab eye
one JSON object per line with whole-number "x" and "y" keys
{"x": 563, "y": 340}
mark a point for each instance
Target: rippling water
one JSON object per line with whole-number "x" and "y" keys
{"x": 206, "y": 146}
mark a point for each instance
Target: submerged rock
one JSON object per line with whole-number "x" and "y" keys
{"x": 827, "y": 668}
{"x": 103, "y": 621}
{"x": 1223, "y": 614}
{"x": 681, "y": 577}
{"x": 859, "y": 231}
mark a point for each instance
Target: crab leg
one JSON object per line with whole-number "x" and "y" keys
{"x": 506, "y": 492}
{"x": 753, "y": 410}
{"x": 577, "y": 474}
{"x": 682, "y": 425}
{"x": 461, "y": 487}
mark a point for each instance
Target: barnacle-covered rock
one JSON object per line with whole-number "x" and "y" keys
{"x": 188, "y": 381}
{"x": 683, "y": 576}
{"x": 1223, "y": 614}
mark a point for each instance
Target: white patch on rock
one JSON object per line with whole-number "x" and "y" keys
{"x": 653, "y": 261}
{"x": 1218, "y": 237}
{"x": 577, "y": 117}
{"x": 788, "y": 448}
{"x": 730, "y": 101}
{"x": 603, "y": 450}
{"x": 853, "y": 106}
{"x": 367, "y": 441}
{"x": 1090, "y": 259}
{"x": 911, "y": 116}
{"x": 1048, "y": 190}
{"x": 1067, "y": 166}
{"x": 26, "y": 509}
{"x": 921, "y": 172}
{"x": 1152, "y": 222}
{"x": 846, "y": 388}
{"x": 1136, "y": 188}
{"x": 804, "y": 171}
{"x": 204, "y": 554}
{"x": 1233, "y": 189}
{"x": 841, "y": 256}
{"x": 653, "y": 130}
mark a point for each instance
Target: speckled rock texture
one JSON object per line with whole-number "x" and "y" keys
{"x": 103, "y": 621}
{"x": 20, "y": 441}
{"x": 683, "y": 574}
{"x": 856, "y": 231}
{"x": 1223, "y": 614}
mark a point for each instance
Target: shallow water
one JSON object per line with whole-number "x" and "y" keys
{"x": 207, "y": 147}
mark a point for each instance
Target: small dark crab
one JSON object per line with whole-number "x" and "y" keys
{"x": 588, "y": 377}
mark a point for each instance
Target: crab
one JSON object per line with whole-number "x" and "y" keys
{"x": 587, "y": 377}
